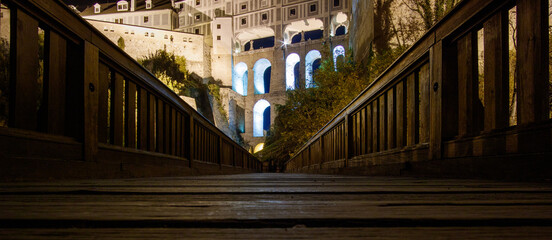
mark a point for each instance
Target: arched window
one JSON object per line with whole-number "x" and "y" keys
{"x": 296, "y": 38}
{"x": 341, "y": 30}
{"x": 239, "y": 79}
{"x": 292, "y": 70}
{"x": 312, "y": 62}
{"x": 261, "y": 76}
{"x": 338, "y": 53}
{"x": 261, "y": 118}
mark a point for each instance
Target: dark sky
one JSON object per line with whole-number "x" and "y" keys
{"x": 82, "y": 4}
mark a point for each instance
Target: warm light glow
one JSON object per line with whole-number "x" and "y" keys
{"x": 259, "y": 147}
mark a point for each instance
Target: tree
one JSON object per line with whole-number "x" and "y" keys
{"x": 170, "y": 69}
{"x": 430, "y": 11}
{"x": 121, "y": 43}
{"x": 383, "y": 20}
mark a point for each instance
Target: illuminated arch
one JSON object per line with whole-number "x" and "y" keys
{"x": 261, "y": 76}
{"x": 292, "y": 73}
{"x": 239, "y": 78}
{"x": 261, "y": 118}
{"x": 338, "y": 51}
{"x": 312, "y": 62}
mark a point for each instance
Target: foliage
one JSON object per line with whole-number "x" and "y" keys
{"x": 170, "y": 69}
{"x": 214, "y": 89}
{"x": 307, "y": 110}
{"x": 430, "y": 11}
{"x": 121, "y": 43}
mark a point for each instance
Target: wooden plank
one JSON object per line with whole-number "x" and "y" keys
{"x": 91, "y": 76}
{"x": 103, "y": 107}
{"x": 375, "y": 126}
{"x": 190, "y": 135}
{"x": 167, "y": 128}
{"x": 411, "y": 105}
{"x": 532, "y": 61}
{"x": 496, "y": 72}
{"x": 159, "y": 127}
{"x": 173, "y": 132}
{"x": 143, "y": 119}
{"x": 436, "y": 101}
{"x": 117, "y": 109}
{"x": 178, "y": 134}
{"x": 152, "y": 117}
{"x": 400, "y": 114}
{"x": 24, "y": 95}
{"x": 55, "y": 86}
{"x": 130, "y": 112}
{"x": 424, "y": 105}
{"x": 391, "y": 114}
{"x": 369, "y": 128}
{"x": 362, "y": 129}
{"x": 382, "y": 122}
{"x": 467, "y": 84}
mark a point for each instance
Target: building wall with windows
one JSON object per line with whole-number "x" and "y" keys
{"x": 241, "y": 43}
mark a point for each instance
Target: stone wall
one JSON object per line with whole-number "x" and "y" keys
{"x": 138, "y": 45}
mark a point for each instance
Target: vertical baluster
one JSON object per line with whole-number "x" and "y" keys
{"x": 143, "y": 119}
{"x": 382, "y": 123}
{"x": 117, "y": 110}
{"x": 400, "y": 113}
{"x": 91, "y": 75}
{"x": 23, "y": 94}
{"x": 424, "y": 78}
{"x": 159, "y": 126}
{"x": 130, "y": 109}
{"x": 55, "y": 86}
{"x": 103, "y": 106}
{"x": 391, "y": 114}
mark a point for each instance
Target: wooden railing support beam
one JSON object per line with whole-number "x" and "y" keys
{"x": 91, "y": 98}
{"x": 436, "y": 100}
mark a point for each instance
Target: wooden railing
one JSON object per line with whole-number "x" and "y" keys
{"x": 430, "y": 104}
{"x": 95, "y": 104}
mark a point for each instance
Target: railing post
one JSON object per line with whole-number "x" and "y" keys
{"x": 532, "y": 61}
{"x": 347, "y": 140}
{"x": 191, "y": 140}
{"x": 436, "y": 100}
{"x": 220, "y": 151}
{"x": 91, "y": 98}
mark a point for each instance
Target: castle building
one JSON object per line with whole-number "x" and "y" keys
{"x": 256, "y": 50}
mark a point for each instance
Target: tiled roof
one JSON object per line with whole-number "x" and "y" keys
{"x": 107, "y": 8}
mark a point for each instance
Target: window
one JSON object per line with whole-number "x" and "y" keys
{"x": 244, "y": 6}
{"x": 185, "y": 40}
{"x": 264, "y": 16}
{"x": 292, "y": 12}
{"x": 146, "y": 19}
{"x": 105, "y": 29}
{"x": 313, "y": 8}
{"x": 197, "y": 16}
{"x": 198, "y": 2}
{"x": 218, "y": 37}
{"x": 218, "y": 26}
{"x": 148, "y": 4}
{"x": 196, "y": 31}
{"x": 336, "y": 3}
{"x": 146, "y": 34}
{"x": 122, "y": 6}
{"x": 152, "y": 35}
{"x": 96, "y": 8}
{"x": 166, "y": 36}
{"x": 243, "y": 21}
{"x": 132, "y": 32}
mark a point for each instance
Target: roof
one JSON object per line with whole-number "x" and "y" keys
{"x": 107, "y": 8}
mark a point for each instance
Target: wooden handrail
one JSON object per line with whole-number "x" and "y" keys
{"x": 413, "y": 110}
{"x": 98, "y": 94}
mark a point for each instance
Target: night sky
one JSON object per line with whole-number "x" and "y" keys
{"x": 82, "y": 4}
